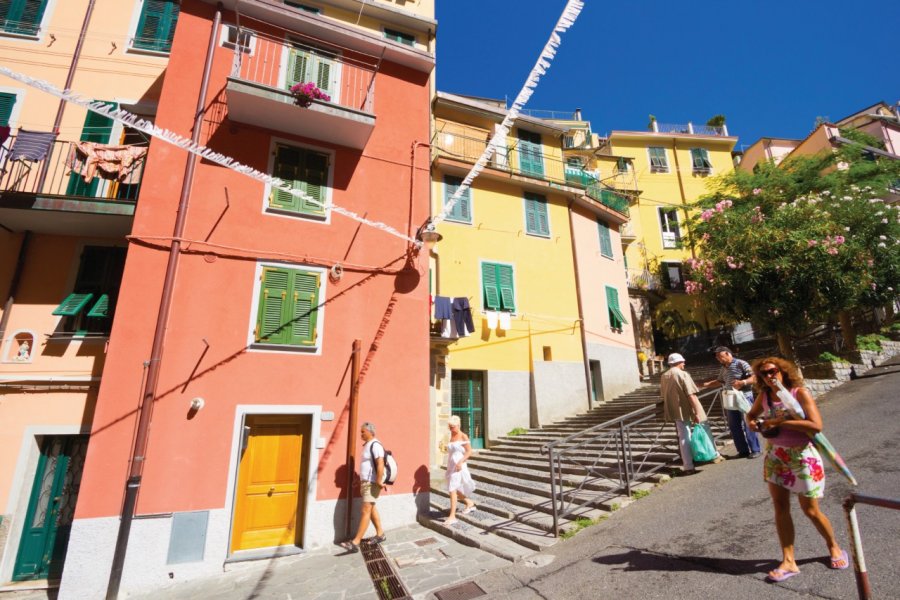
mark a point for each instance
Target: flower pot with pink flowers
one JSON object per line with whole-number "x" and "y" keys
{"x": 305, "y": 93}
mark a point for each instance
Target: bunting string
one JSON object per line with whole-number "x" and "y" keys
{"x": 135, "y": 122}
{"x": 566, "y": 20}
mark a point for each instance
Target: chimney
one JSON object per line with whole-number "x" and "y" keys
{"x": 577, "y": 114}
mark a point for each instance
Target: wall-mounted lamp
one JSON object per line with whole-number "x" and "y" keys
{"x": 197, "y": 404}
{"x": 428, "y": 235}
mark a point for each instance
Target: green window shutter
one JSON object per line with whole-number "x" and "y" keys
{"x": 505, "y": 283}
{"x": 489, "y": 286}
{"x": 399, "y": 36}
{"x": 658, "y": 158}
{"x": 156, "y": 26}
{"x": 271, "y": 326}
{"x": 286, "y": 168}
{"x": 72, "y": 305}
{"x": 314, "y": 182}
{"x": 22, "y": 16}
{"x": 531, "y": 160}
{"x": 462, "y": 210}
{"x": 605, "y": 239}
{"x": 97, "y": 128}
{"x": 323, "y": 75}
{"x": 303, "y": 170}
{"x": 616, "y": 317}
{"x": 304, "y": 308}
{"x": 101, "y": 308}
{"x": 7, "y": 102}
{"x": 696, "y": 158}
{"x": 297, "y": 64}
{"x": 301, "y": 6}
{"x": 537, "y": 221}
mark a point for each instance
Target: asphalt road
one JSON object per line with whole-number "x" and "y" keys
{"x": 712, "y": 535}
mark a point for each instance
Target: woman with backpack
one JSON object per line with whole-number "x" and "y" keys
{"x": 459, "y": 481}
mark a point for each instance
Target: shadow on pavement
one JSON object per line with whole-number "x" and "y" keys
{"x": 640, "y": 560}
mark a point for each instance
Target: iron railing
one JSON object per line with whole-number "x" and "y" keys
{"x": 267, "y": 60}
{"x": 863, "y": 588}
{"x": 642, "y": 279}
{"x": 516, "y": 159}
{"x": 690, "y": 128}
{"x": 598, "y": 463}
{"x": 52, "y": 176}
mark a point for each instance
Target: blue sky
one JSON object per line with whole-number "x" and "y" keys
{"x": 770, "y": 67}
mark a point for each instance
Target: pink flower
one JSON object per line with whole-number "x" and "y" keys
{"x": 706, "y": 215}
{"x": 832, "y": 251}
{"x": 705, "y": 237}
{"x": 811, "y": 243}
{"x": 757, "y": 191}
{"x": 839, "y": 239}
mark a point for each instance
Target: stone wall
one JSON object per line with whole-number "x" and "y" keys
{"x": 823, "y": 377}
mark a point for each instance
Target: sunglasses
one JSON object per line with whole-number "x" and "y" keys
{"x": 771, "y": 372}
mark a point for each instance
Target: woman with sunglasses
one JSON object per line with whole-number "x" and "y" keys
{"x": 792, "y": 464}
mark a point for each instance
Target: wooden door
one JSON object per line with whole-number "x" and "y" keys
{"x": 467, "y": 399}
{"x": 271, "y": 483}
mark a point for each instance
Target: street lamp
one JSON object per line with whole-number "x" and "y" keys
{"x": 428, "y": 235}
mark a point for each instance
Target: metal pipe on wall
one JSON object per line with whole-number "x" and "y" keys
{"x": 351, "y": 429}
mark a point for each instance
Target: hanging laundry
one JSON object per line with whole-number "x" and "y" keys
{"x": 4, "y": 133}
{"x": 491, "y": 316}
{"x": 443, "y": 308}
{"x": 462, "y": 316}
{"x": 505, "y": 321}
{"x": 31, "y": 145}
{"x": 122, "y": 163}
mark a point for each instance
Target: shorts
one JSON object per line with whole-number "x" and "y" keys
{"x": 369, "y": 491}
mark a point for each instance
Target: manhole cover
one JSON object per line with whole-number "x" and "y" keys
{"x": 426, "y": 541}
{"x": 461, "y": 592}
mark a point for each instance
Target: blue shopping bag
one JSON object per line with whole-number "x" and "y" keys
{"x": 702, "y": 447}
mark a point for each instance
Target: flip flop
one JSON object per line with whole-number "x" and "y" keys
{"x": 835, "y": 562}
{"x": 349, "y": 547}
{"x": 780, "y": 575}
{"x": 467, "y": 510}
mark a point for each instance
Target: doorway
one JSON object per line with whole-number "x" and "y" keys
{"x": 467, "y": 402}
{"x": 596, "y": 382}
{"x": 270, "y": 497}
{"x": 51, "y": 508}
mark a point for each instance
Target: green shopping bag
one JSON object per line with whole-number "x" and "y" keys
{"x": 702, "y": 447}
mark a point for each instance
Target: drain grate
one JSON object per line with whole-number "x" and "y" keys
{"x": 464, "y": 591}
{"x": 426, "y": 541}
{"x": 387, "y": 582}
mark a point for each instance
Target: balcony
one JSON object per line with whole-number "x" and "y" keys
{"x": 264, "y": 69}
{"x": 528, "y": 165}
{"x": 627, "y": 234}
{"x": 47, "y": 197}
{"x": 642, "y": 279}
{"x": 690, "y": 128}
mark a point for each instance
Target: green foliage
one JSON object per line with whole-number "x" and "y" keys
{"x": 716, "y": 121}
{"x": 652, "y": 121}
{"x": 578, "y": 525}
{"x": 829, "y": 357}
{"x": 517, "y": 431}
{"x": 638, "y": 494}
{"x": 871, "y": 342}
{"x": 792, "y": 244}
{"x": 614, "y": 507}
{"x": 895, "y": 326}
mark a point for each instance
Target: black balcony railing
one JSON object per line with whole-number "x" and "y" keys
{"x": 53, "y": 176}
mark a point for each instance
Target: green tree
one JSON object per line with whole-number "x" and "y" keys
{"x": 790, "y": 245}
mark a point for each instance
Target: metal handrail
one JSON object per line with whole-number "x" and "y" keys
{"x": 630, "y": 466}
{"x": 863, "y": 589}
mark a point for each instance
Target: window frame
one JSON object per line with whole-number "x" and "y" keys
{"x": 601, "y": 227}
{"x": 315, "y": 348}
{"x": 467, "y": 197}
{"x": 704, "y": 157}
{"x": 541, "y": 200}
{"x": 333, "y": 56}
{"x": 224, "y": 42}
{"x": 136, "y": 18}
{"x": 267, "y": 209}
{"x": 662, "y": 168}
{"x": 670, "y": 264}
{"x": 38, "y": 35}
{"x": 78, "y": 306}
{"x": 623, "y": 164}
{"x": 665, "y": 225}
{"x": 614, "y": 313}
{"x": 401, "y": 37}
{"x": 304, "y": 7}
{"x": 484, "y": 305}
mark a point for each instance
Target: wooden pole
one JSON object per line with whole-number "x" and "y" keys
{"x": 351, "y": 430}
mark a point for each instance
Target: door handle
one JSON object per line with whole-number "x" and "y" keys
{"x": 271, "y": 490}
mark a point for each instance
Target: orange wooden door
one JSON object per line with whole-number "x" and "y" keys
{"x": 271, "y": 486}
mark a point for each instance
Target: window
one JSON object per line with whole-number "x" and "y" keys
{"x": 700, "y": 160}
{"x": 668, "y": 223}
{"x": 229, "y": 39}
{"x": 22, "y": 17}
{"x": 398, "y": 36}
{"x": 672, "y": 275}
{"x": 307, "y": 64}
{"x": 658, "y": 161}
{"x": 497, "y": 287}
{"x": 616, "y": 318}
{"x": 462, "y": 210}
{"x": 623, "y": 165}
{"x": 605, "y": 239}
{"x": 89, "y": 308}
{"x": 7, "y": 102}
{"x": 288, "y": 308}
{"x": 156, "y": 25}
{"x": 531, "y": 160}
{"x": 304, "y": 170}
{"x": 309, "y": 9}
{"x": 537, "y": 222}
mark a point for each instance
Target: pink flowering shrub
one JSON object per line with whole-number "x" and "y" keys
{"x": 305, "y": 93}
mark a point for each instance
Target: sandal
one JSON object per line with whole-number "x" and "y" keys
{"x": 349, "y": 546}
{"x": 379, "y": 539}
{"x": 780, "y": 575}
{"x": 840, "y": 562}
{"x": 467, "y": 510}
{"x": 449, "y": 522}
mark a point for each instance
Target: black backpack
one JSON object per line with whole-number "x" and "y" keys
{"x": 390, "y": 464}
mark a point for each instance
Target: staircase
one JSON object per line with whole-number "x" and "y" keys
{"x": 514, "y": 516}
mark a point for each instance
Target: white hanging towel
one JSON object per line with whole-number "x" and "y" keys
{"x": 505, "y": 321}
{"x": 491, "y": 319}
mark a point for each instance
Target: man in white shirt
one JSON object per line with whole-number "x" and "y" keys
{"x": 370, "y": 486}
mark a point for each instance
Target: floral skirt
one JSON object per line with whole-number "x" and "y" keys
{"x": 798, "y": 469}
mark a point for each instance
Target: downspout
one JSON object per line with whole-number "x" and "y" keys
{"x": 683, "y": 197}
{"x": 584, "y": 348}
{"x": 148, "y": 396}
{"x": 14, "y": 285}
{"x": 351, "y": 429}
{"x": 73, "y": 64}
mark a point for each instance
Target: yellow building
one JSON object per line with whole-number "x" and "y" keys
{"x": 507, "y": 251}
{"x": 666, "y": 169}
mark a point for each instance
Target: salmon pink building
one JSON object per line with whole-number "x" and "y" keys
{"x": 257, "y": 328}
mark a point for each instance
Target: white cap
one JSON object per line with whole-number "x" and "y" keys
{"x": 675, "y": 359}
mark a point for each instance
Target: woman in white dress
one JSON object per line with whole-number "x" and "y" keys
{"x": 459, "y": 481}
